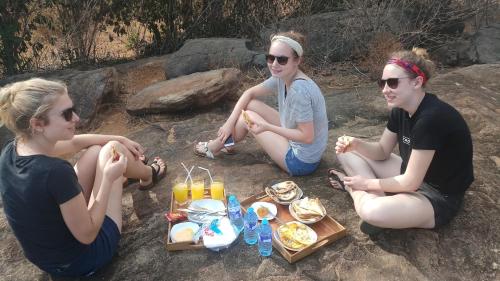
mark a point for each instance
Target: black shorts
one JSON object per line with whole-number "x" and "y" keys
{"x": 445, "y": 206}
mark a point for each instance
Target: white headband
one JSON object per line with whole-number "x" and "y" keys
{"x": 290, "y": 42}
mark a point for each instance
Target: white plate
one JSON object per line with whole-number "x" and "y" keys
{"x": 312, "y": 234}
{"x": 306, "y": 221}
{"x": 206, "y": 204}
{"x": 299, "y": 195}
{"x": 270, "y": 206}
{"x": 181, "y": 226}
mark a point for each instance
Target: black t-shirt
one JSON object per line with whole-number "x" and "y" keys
{"x": 32, "y": 188}
{"x": 437, "y": 126}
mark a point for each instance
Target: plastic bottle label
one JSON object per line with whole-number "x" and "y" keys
{"x": 250, "y": 225}
{"x": 234, "y": 213}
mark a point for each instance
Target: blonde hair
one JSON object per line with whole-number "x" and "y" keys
{"x": 21, "y": 101}
{"x": 299, "y": 37}
{"x": 418, "y": 57}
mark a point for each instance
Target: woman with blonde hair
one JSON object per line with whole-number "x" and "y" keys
{"x": 295, "y": 135}
{"x": 67, "y": 219}
{"x": 425, "y": 186}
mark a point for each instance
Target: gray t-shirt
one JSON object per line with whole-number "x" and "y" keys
{"x": 304, "y": 102}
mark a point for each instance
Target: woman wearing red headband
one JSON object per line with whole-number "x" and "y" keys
{"x": 425, "y": 186}
{"x": 295, "y": 135}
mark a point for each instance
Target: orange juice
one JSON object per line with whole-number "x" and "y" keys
{"x": 197, "y": 189}
{"x": 180, "y": 192}
{"x": 217, "y": 190}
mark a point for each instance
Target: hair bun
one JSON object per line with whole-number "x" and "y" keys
{"x": 421, "y": 52}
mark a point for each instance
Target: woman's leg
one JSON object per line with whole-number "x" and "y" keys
{"x": 402, "y": 210}
{"x": 240, "y": 128}
{"x": 114, "y": 207}
{"x": 85, "y": 169}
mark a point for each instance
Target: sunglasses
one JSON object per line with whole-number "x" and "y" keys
{"x": 281, "y": 59}
{"x": 67, "y": 114}
{"x": 391, "y": 82}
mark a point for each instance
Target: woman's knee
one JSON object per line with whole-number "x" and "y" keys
{"x": 372, "y": 212}
{"x": 112, "y": 144}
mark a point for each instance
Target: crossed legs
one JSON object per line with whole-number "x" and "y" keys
{"x": 273, "y": 144}
{"x": 89, "y": 169}
{"x": 402, "y": 210}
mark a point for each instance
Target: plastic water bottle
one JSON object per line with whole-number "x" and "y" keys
{"x": 234, "y": 212}
{"x": 265, "y": 239}
{"x": 250, "y": 233}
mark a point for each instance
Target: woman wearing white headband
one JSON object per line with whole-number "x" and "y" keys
{"x": 295, "y": 135}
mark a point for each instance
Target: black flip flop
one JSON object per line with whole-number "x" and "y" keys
{"x": 334, "y": 177}
{"x": 130, "y": 181}
{"x": 157, "y": 176}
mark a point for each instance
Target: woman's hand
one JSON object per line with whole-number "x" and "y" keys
{"x": 224, "y": 132}
{"x": 115, "y": 169}
{"x": 344, "y": 144}
{"x": 356, "y": 182}
{"x": 258, "y": 126}
{"x": 136, "y": 149}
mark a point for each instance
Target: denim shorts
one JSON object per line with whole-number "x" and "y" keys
{"x": 445, "y": 206}
{"x": 296, "y": 167}
{"x": 97, "y": 254}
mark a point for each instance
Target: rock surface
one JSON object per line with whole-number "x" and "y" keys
{"x": 191, "y": 91}
{"x": 466, "y": 249}
{"x": 198, "y": 55}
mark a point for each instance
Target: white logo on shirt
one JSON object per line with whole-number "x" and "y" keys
{"x": 406, "y": 140}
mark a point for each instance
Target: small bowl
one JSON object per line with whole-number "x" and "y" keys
{"x": 181, "y": 226}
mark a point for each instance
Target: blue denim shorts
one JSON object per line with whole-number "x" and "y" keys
{"x": 97, "y": 254}
{"x": 296, "y": 167}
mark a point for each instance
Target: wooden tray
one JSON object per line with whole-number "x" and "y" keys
{"x": 328, "y": 229}
{"x": 171, "y": 246}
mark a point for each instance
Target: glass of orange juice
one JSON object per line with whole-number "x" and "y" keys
{"x": 217, "y": 188}
{"x": 180, "y": 190}
{"x": 197, "y": 188}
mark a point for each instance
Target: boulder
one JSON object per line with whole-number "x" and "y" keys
{"x": 134, "y": 76}
{"x": 198, "y": 55}
{"x": 87, "y": 89}
{"x": 191, "y": 91}
{"x": 483, "y": 47}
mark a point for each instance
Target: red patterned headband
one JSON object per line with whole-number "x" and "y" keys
{"x": 409, "y": 66}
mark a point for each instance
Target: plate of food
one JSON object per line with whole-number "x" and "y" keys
{"x": 295, "y": 235}
{"x": 284, "y": 192}
{"x": 183, "y": 232}
{"x": 265, "y": 210}
{"x": 307, "y": 210}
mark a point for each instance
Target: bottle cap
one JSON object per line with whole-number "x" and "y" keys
{"x": 250, "y": 210}
{"x": 232, "y": 197}
{"x": 264, "y": 221}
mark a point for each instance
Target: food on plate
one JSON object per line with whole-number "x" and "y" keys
{"x": 246, "y": 117}
{"x": 114, "y": 154}
{"x": 262, "y": 211}
{"x": 308, "y": 209}
{"x": 295, "y": 235}
{"x": 283, "y": 192}
{"x": 184, "y": 235}
{"x": 175, "y": 217}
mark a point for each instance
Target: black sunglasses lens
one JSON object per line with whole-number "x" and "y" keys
{"x": 393, "y": 83}
{"x": 282, "y": 60}
{"x": 270, "y": 58}
{"x": 68, "y": 114}
{"x": 381, "y": 83}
